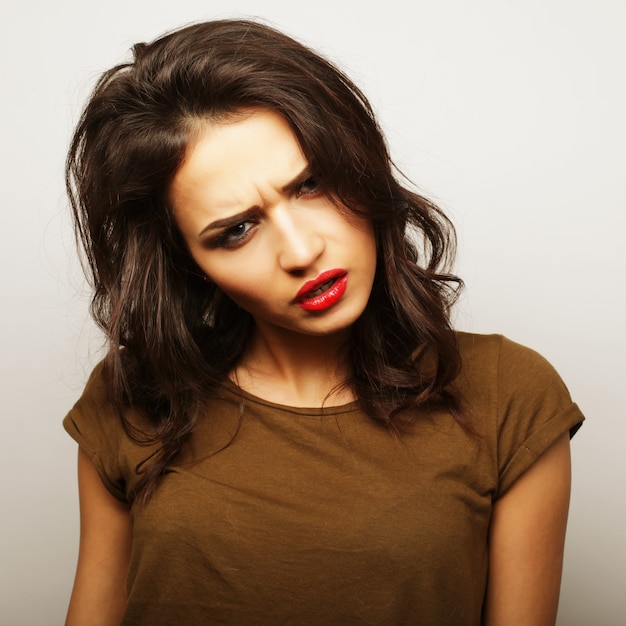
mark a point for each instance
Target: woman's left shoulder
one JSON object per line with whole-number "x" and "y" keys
{"x": 516, "y": 399}
{"x": 514, "y": 382}
{"x": 507, "y": 363}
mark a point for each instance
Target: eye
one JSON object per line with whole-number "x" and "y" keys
{"x": 235, "y": 236}
{"x": 308, "y": 188}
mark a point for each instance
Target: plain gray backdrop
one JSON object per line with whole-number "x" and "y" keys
{"x": 509, "y": 114}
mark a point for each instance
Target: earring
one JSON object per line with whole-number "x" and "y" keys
{"x": 201, "y": 275}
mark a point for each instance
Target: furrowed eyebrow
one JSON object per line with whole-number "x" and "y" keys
{"x": 231, "y": 220}
{"x": 298, "y": 180}
{"x": 234, "y": 220}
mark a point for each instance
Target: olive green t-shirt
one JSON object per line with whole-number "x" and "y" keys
{"x": 321, "y": 516}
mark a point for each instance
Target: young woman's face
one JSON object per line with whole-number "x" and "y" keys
{"x": 259, "y": 227}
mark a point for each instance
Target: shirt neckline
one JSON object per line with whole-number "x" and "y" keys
{"x": 327, "y": 411}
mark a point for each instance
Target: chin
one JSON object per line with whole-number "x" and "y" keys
{"x": 331, "y": 326}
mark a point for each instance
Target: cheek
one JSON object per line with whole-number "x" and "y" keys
{"x": 369, "y": 247}
{"x": 243, "y": 275}
{"x": 248, "y": 288}
{"x": 366, "y": 240}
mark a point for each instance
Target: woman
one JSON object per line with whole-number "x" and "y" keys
{"x": 285, "y": 428}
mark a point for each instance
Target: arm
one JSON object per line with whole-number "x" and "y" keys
{"x": 99, "y": 593}
{"x": 526, "y": 543}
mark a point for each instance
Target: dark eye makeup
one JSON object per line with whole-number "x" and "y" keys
{"x": 234, "y": 236}
{"x": 309, "y": 187}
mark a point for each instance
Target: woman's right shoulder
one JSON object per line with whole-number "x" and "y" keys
{"x": 96, "y": 395}
{"x": 97, "y": 400}
{"x": 95, "y": 388}
{"x": 101, "y": 428}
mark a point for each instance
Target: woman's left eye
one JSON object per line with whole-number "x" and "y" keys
{"x": 308, "y": 188}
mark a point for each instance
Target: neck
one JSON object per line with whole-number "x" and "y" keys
{"x": 296, "y": 370}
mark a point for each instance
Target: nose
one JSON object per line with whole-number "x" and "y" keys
{"x": 299, "y": 242}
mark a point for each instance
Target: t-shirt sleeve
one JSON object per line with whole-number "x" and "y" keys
{"x": 534, "y": 409}
{"x": 96, "y": 426}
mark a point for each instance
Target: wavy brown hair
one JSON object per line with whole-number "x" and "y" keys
{"x": 172, "y": 337}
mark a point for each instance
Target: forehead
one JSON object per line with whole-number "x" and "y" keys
{"x": 254, "y": 153}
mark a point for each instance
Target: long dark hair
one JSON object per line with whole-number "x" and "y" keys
{"x": 172, "y": 337}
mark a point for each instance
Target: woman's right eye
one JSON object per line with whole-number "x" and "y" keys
{"x": 234, "y": 236}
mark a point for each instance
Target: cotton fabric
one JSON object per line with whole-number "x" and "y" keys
{"x": 320, "y": 516}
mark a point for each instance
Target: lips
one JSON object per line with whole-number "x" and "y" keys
{"x": 322, "y": 292}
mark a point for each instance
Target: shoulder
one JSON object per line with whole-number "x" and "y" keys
{"x": 508, "y": 365}
{"x": 101, "y": 429}
{"x": 97, "y": 407}
{"x": 495, "y": 347}
{"x": 95, "y": 392}
{"x": 515, "y": 399}
{"x": 93, "y": 405}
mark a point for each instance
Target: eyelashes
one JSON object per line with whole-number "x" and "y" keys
{"x": 309, "y": 187}
{"x": 234, "y": 236}
{"x": 238, "y": 234}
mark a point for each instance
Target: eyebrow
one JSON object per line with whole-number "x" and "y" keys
{"x": 229, "y": 221}
{"x": 298, "y": 180}
{"x": 238, "y": 218}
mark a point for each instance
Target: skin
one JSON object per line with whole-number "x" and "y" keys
{"x": 99, "y": 593}
{"x": 289, "y": 233}
{"x": 282, "y": 231}
{"x": 526, "y": 543}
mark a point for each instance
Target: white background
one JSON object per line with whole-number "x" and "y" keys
{"x": 510, "y": 114}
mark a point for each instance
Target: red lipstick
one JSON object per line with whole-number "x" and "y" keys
{"x": 322, "y": 292}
